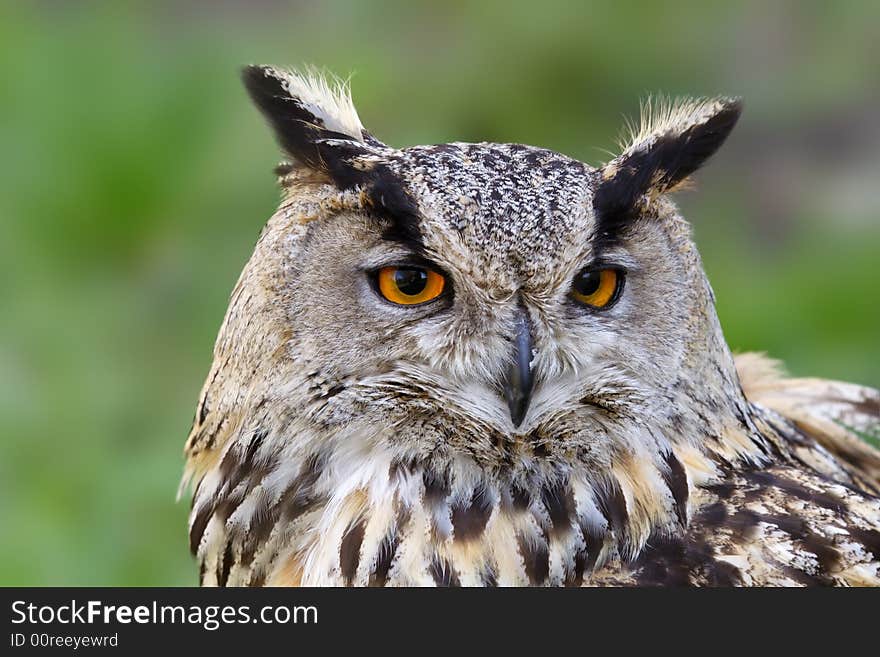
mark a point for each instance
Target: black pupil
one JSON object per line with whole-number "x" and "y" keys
{"x": 411, "y": 281}
{"x": 587, "y": 282}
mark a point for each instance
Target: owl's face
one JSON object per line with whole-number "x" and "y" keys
{"x": 500, "y": 307}
{"x": 496, "y": 303}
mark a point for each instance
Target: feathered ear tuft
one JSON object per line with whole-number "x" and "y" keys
{"x": 673, "y": 139}
{"x": 317, "y": 126}
{"x": 313, "y": 118}
{"x": 324, "y": 101}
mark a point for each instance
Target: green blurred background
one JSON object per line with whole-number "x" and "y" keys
{"x": 135, "y": 177}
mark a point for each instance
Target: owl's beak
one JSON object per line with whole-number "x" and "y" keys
{"x": 518, "y": 380}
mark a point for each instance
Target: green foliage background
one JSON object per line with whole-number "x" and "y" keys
{"x": 134, "y": 178}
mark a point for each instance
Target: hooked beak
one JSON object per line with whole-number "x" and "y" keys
{"x": 518, "y": 380}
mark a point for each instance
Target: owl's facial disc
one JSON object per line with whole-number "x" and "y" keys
{"x": 482, "y": 284}
{"x": 418, "y": 292}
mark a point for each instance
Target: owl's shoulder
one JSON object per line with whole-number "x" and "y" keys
{"x": 836, "y": 422}
{"x": 810, "y": 517}
{"x": 778, "y": 526}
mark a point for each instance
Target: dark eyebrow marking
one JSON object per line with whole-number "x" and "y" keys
{"x": 389, "y": 198}
{"x": 615, "y": 210}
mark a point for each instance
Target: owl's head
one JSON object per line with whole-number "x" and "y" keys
{"x": 499, "y": 304}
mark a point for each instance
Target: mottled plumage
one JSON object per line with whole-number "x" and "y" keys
{"x": 341, "y": 439}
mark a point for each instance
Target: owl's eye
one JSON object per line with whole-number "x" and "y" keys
{"x": 408, "y": 286}
{"x": 597, "y": 288}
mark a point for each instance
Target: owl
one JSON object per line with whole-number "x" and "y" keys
{"x": 481, "y": 364}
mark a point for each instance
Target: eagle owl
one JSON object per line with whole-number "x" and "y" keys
{"x": 491, "y": 364}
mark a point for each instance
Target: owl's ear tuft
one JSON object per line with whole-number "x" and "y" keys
{"x": 313, "y": 118}
{"x": 672, "y": 141}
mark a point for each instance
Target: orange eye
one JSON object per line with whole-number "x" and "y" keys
{"x": 408, "y": 286}
{"x": 596, "y": 288}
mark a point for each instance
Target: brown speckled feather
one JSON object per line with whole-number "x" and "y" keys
{"x": 844, "y": 418}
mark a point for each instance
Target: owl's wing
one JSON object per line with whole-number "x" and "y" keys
{"x": 844, "y": 418}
